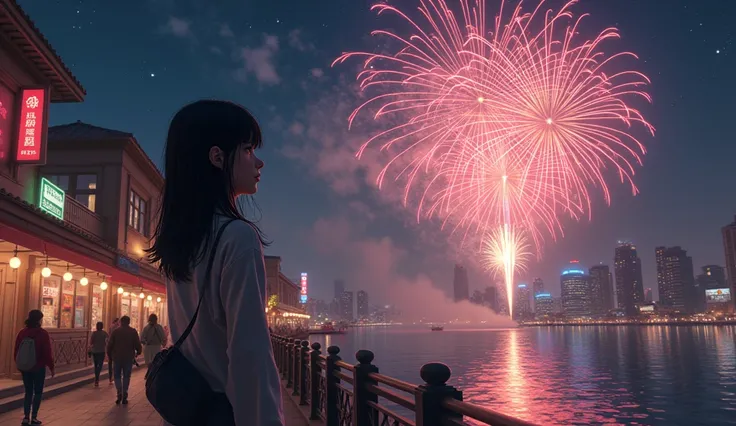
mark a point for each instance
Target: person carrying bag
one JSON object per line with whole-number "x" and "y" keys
{"x": 174, "y": 387}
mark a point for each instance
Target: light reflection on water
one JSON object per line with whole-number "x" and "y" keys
{"x": 656, "y": 375}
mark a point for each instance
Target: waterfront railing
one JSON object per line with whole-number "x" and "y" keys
{"x": 337, "y": 393}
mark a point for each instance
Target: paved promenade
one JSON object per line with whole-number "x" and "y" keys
{"x": 96, "y": 406}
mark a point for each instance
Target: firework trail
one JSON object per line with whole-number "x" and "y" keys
{"x": 502, "y": 129}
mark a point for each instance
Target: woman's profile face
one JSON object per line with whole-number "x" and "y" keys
{"x": 246, "y": 170}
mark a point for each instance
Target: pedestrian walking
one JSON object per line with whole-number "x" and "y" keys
{"x": 124, "y": 345}
{"x": 153, "y": 338}
{"x": 97, "y": 347}
{"x": 33, "y": 356}
{"x": 115, "y": 325}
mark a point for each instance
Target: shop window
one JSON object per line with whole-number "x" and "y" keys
{"x": 137, "y": 213}
{"x": 81, "y": 187}
{"x": 135, "y": 312}
{"x": 62, "y": 181}
{"x": 86, "y": 191}
{"x": 98, "y": 299}
{"x": 67, "y": 304}
{"x": 50, "y": 297}
{"x": 80, "y": 306}
{"x": 125, "y": 306}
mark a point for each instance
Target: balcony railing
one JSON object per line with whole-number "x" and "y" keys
{"x": 336, "y": 393}
{"x": 80, "y": 216}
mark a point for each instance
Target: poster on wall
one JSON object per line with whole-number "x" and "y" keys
{"x": 97, "y": 295}
{"x": 50, "y": 301}
{"x": 30, "y": 145}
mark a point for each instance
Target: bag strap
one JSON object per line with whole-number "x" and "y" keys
{"x": 208, "y": 272}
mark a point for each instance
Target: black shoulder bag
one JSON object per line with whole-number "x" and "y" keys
{"x": 175, "y": 388}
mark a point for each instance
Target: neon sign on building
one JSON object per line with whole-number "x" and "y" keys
{"x": 303, "y": 282}
{"x": 31, "y": 142}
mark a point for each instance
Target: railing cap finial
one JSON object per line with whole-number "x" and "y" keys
{"x": 435, "y": 373}
{"x": 316, "y": 346}
{"x": 333, "y": 350}
{"x": 364, "y": 356}
{"x": 305, "y": 343}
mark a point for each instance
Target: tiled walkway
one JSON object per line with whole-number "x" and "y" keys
{"x": 96, "y": 406}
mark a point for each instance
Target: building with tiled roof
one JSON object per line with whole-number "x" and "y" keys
{"x": 77, "y": 205}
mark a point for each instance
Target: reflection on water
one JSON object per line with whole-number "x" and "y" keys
{"x": 575, "y": 375}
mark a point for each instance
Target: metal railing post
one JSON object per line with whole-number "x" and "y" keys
{"x": 303, "y": 363}
{"x": 361, "y": 396}
{"x": 315, "y": 371}
{"x": 331, "y": 399}
{"x": 429, "y": 396}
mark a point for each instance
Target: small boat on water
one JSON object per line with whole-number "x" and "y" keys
{"x": 437, "y": 328}
{"x": 327, "y": 328}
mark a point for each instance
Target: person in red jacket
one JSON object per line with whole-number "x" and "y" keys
{"x": 33, "y": 379}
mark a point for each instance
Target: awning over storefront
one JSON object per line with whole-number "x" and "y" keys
{"x": 36, "y": 243}
{"x": 286, "y": 308}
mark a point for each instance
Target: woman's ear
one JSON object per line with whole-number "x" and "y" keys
{"x": 217, "y": 157}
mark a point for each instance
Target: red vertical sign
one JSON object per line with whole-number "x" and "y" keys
{"x": 31, "y": 147}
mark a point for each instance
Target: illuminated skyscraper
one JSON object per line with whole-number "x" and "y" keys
{"x": 629, "y": 285}
{"x": 543, "y": 305}
{"x": 675, "y": 278}
{"x": 729, "y": 247}
{"x": 576, "y": 292}
{"x": 363, "y": 310}
{"x": 522, "y": 302}
{"x": 601, "y": 288}
{"x": 346, "y": 306}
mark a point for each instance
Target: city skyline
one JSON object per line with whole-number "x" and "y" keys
{"x": 344, "y": 228}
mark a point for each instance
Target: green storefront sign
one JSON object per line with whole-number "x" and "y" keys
{"x": 51, "y": 199}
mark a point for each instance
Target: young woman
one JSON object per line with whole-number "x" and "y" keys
{"x": 153, "y": 338}
{"x": 98, "y": 344}
{"x": 210, "y": 161}
{"x": 34, "y": 377}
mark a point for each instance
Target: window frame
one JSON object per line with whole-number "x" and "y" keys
{"x": 138, "y": 211}
{"x": 71, "y": 187}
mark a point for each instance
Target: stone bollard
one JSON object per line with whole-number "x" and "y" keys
{"x": 331, "y": 398}
{"x": 315, "y": 372}
{"x": 361, "y": 396}
{"x": 304, "y": 371}
{"x": 429, "y": 396}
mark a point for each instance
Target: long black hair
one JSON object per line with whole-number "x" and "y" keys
{"x": 196, "y": 190}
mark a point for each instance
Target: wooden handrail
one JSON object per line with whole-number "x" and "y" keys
{"x": 482, "y": 414}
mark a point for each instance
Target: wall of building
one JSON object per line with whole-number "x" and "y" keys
{"x": 135, "y": 178}
{"x": 14, "y": 74}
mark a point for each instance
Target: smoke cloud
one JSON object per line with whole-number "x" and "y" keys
{"x": 377, "y": 265}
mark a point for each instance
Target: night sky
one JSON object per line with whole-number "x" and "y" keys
{"x": 142, "y": 60}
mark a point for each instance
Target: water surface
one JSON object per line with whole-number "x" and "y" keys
{"x": 656, "y": 375}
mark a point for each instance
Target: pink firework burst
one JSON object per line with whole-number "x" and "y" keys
{"x": 512, "y": 124}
